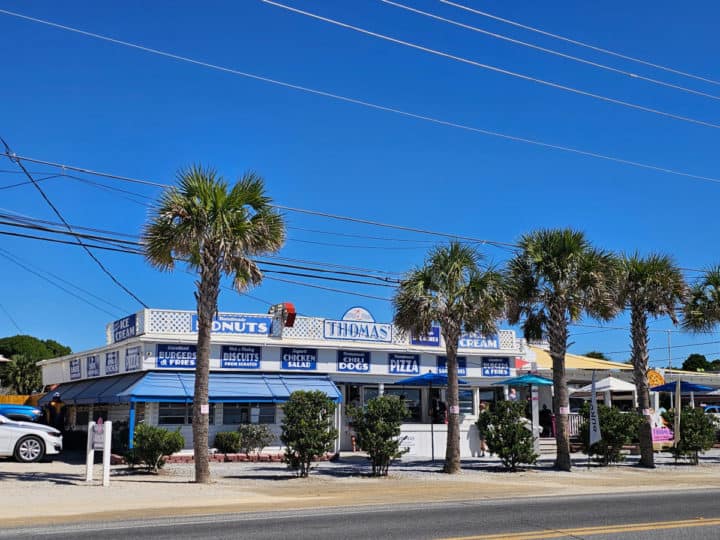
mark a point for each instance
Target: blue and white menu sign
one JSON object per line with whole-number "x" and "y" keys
{"x": 133, "y": 358}
{"x": 172, "y": 355}
{"x": 112, "y": 363}
{"x": 92, "y": 366}
{"x": 302, "y": 359}
{"x": 475, "y": 340}
{"x": 461, "y": 363}
{"x": 240, "y": 357}
{"x": 496, "y": 367}
{"x": 125, "y": 328}
{"x": 403, "y": 364}
{"x": 353, "y": 361}
{"x": 75, "y": 369}
{"x": 431, "y": 339}
{"x": 228, "y": 323}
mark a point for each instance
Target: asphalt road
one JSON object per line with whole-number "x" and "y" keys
{"x": 684, "y": 514}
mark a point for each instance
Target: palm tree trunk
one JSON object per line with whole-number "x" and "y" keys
{"x": 208, "y": 289}
{"x": 557, "y": 337}
{"x": 452, "y": 450}
{"x": 639, "y": 334}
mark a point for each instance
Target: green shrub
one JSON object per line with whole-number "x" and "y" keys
{"x": 617, "y": 429}
{"x": 377, "y": 428}
{"x": 307, "y": 431}
{"x": 153, "y": 443}
{"x": 506, "y": 435}
{"x": 697, "y": 433}
{"x": 227, "y": 442}
{"x": 254, "y": 437}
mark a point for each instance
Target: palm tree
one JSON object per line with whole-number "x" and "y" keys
{"x": 215, "y": 230}
{"x": 452, "y": 291}
{"x": 650, "y": 287}
{"x": 702, "y": 309}
{"x": 22, "y": 374}
{"x": 556, "y": 277}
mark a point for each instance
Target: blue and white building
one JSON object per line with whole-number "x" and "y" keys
{"x": 145, "y": 372}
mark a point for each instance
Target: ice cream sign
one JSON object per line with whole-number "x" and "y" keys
{"x": 357, "y": 325}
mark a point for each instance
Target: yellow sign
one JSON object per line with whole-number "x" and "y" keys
{"x": 655, "y": 378}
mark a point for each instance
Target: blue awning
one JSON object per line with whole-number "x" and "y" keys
{"x": 161, "y": 386}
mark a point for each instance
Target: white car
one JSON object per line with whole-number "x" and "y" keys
{"x": 28, "y": 441}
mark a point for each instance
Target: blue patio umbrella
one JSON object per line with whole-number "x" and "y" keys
{"x": 429, "y": 379}
{"x": 685, "y": 387}
{"x": 529, "y": 379}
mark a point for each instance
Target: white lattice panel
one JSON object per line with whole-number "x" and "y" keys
{"x": 305, "y": 328}
{"x": 169, "y": 322}
{"x": 507, "y": 339}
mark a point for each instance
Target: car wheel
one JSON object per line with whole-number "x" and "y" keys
{"x": 29, "y": 449}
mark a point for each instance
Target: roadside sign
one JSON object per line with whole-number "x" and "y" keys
{"x": 98, "y": 435}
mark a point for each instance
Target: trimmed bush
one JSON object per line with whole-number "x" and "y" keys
{"x": 254, "y": 437}
{"x": 307, "y": 431}
{"x": 506, "y": 435}
{"x": 153, "y": 443}
{"x": 377, "y": 428}
{"x": 227, "y": 442}
{"x": 617, "y": 429}
{"x": 697, "y": 433}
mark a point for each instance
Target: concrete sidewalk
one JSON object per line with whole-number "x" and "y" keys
{"x": 44, "y": 493}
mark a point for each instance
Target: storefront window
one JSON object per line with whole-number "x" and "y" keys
{"x": 411, "y": 396}
{"x": 466, "y": 401}
{"x": 242, "y": 413}
{"x": 179, "y": 413}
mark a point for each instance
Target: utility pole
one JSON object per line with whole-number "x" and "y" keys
{"x": 669, "y": 349}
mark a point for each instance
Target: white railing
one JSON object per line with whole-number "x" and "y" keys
{"x": 574, "y": 421}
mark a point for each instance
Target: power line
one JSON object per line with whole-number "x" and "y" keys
{"x": 495, "y": 69}
{"x": 551, "y": 51}
{"x": 7, "y": 256}
{"x": 664, "y": 348}
{"x": 69, "y": 283}
{"x": 362, "y": 236}
{"x": 331, "y": 289}
{"x": 69, "y": 228}
{"x": 354, "y": 101}
{"x": 582, "y": 44}
{"x": 7, "y": 314}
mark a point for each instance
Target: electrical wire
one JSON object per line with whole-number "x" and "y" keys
{"x": 494, "y": 69}
{"x": 29, "y": 270}
{"x": 10, "y": 317}
{"x": 331, "y": 289}
{"x": 69, "y": 228}
{"x": 354, "y": 101}
{"x": 582, "y": 44}
{"x": 551, "y": 51}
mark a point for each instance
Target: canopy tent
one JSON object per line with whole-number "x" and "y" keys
{"x": 605, "y": 387}
{"x": 428, "y": 379}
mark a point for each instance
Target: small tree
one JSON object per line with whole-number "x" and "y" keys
{"x": 617, "y": 429}
{"x": 697, "y": 433}
{"x": 377, "y": 428}
{"x": 506, "y": 434}
{"x": 254, "y": 437}
{"x": 22, "y": 374}
{"x": 307, "y": 431}
{"x": 153, "y": 443}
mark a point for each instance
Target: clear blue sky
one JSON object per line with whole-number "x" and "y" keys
{"x": 69, "y": 98}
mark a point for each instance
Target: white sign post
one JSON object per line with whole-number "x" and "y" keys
{"x": 99, "y": 438}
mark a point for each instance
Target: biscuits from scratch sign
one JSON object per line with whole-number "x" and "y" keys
{"x": 357, "y": 324}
